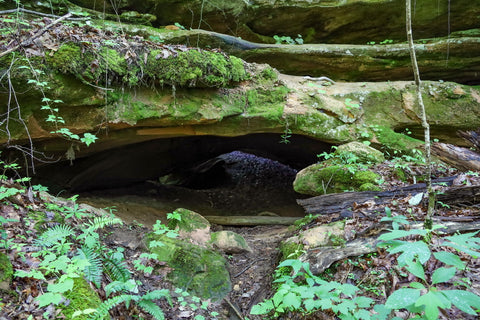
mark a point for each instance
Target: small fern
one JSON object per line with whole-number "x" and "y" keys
{"x": 150, "y": 307}
{"x": 93, "y": 272}
{"x": 118, "y": 286}
{"x": 104, "y": 308}
{"x": 101, "y": 222}
{"x": 54, "y": 235}
{"x": 158, "y": 294}
{"x": 116, "y": 269}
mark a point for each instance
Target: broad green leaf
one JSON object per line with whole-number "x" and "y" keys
{"x": 410, "y": 251}
{"x": 466, "y": 242}
{"x": 278, "y": 297}
{"x": 443, "y": 275}
{"x": 310, "y": 305}
{"x": 61, "y": 287}
{"x": 49, "y": 298}
{"x": 382, "y": 312}
{"x": 417, "y": 285}
{"x": 397, "y": 234}
{"x": 263, "y": 307}
{"x": 363, "y": 302}
{"x": 348, "y": 289}
{"x": 416, "y": 268}
{"x": 294, "y": 263}
{"x": 450, "y": 259}
{"x": 432, "y": 301}
{"x": 463, "y": 300}
{"x": 402, "y": 298}
{"x": 292, "y": 301}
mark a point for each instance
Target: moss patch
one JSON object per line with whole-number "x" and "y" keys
{"x": 81, "y": 297}
{"x": 6, "y": 272}
{"x": 197, "y": 270}
{"x": 319, "y": 179}
{"x": 189, "y": 68}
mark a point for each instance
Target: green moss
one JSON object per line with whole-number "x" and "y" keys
{"x": 362, "y": 177}
{"x": 266, "y": 103}
{"x": 391, "y": 141}
{"x": 336, "y": 240}
{"x": 185, "y": 68}
{"x": 81, "y": 297}
{"x": 320, "y": 179}
{"x": 200, "y": 271}
{"x": 321, "y": 126}
{"x": 195, "y": 68}
{"x": 189, "y": 221}
{"x": 6, "y": 272}
{"x": 369, "y": 187}
{"x": 290, "y": 250}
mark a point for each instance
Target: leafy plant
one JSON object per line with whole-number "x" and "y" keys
{"x": 288, "y": 40}
{"x": 305, "y": 293}
{"x": 426, "y": 297}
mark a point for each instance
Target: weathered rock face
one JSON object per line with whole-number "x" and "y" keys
{"x": 326, "y": 21}
{"x": 134, "y": 91}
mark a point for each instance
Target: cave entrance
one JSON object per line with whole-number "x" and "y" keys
{"x": 229, "y": 176}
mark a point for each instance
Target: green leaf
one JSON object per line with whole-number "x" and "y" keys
{"x": 417, "y": 285}
{"x": 294, "y": 263}
{"x": 61, "y": 287}
{"x": 416, "y": 268}
{"x": 397, "y": 234}
{"x": 466, "y": 242}
{"x": 463, "y": 300}
{"x": 450, "y": 259}
{"x": 402, "y": 298}
{"x": 49, "y": 298}
{"x": 432, "y": 301}
{"x": 411, "y": 250}
{"x": 443, "y": 275}
{"x": 292, "y": 301}
{"x": 263, "y": 307}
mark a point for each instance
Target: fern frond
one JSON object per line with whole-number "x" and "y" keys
{"x": 94, "y": 271}
{"x": 116, "y": 286}
{"x": 117, "y": 270}
{"x": 150, "y": 307}
{"x": 158, "y": 294}
{"x": 54, "y": 235}
{"x": 101, "y": 222}
{"x": 104, "y": 308}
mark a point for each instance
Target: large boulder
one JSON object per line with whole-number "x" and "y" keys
{"x": 198, "y": 270}
{"x": 319, "y": 179}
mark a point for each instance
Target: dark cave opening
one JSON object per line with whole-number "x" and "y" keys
{"x": 245, "y": 175}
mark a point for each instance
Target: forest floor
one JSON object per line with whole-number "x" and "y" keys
{"x": 251, "y": 273}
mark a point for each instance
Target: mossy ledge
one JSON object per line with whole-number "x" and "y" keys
{"x": 175, "y": 66}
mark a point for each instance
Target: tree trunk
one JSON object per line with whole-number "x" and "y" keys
{"x": 431, "y": 194}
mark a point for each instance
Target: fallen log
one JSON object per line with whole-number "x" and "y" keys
{"x": 322, "y": 257}
{"x": 458, "y": 157}
{"x": 339, "y": 202}
{"x": 251, "y": 220}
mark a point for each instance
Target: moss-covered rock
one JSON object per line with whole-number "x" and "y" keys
{"x": 198, "y": 270}
{"x": 80, "y": 298}
{"x": 174, "y": 66}
{"x": 191, "y": 226}
{"x": 6, "y": 272}
{"x": 320, "y": 179}
{"x": 230, "y": 242}
{"x": 362, "y": 152}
